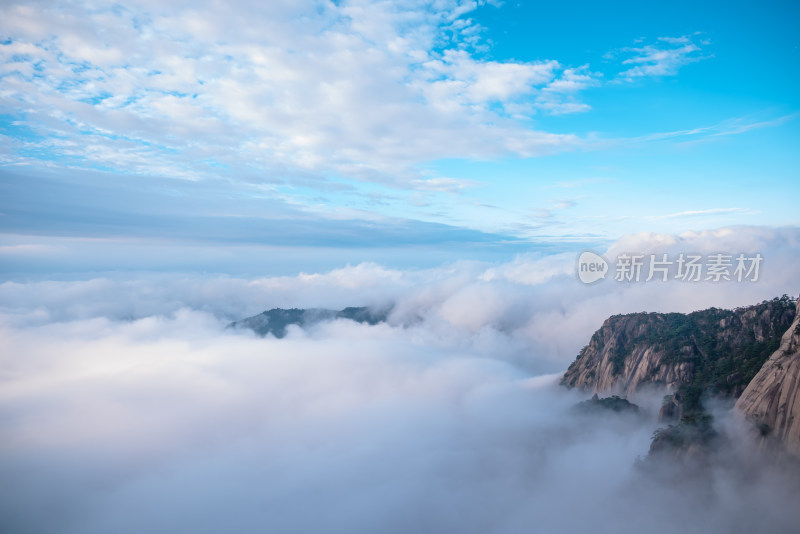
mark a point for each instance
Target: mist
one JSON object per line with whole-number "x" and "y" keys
{"x": 169, "y": 170}
{"x": 127, "y": 406}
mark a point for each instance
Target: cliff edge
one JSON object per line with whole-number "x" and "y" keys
{"x": 712, "y": 351}
{"x": 772, "y": 399}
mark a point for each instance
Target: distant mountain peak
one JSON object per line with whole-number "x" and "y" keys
{"x": 276, "y": 321}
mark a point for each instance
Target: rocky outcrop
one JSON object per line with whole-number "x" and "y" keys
{"x": 717, "y": 350}
{"x": 689, "y": 442}
{"x": 612, "y": 404}
{"x": 771, "y": 401}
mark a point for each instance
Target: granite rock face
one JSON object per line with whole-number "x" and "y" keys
{"x": 771, "y": 400}
{"x": 717, "y": 350}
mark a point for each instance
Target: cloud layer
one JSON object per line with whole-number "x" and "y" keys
{"x": 126, "y": 405}
{"x": 361, "y": 89}
{"x": 264, "y": 92}
{"x": 534, "y": 303}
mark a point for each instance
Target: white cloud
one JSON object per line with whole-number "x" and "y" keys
{"x": 700, "y": 213}
{"x": 191, "y": 90}
{"x": 460, "y": 80}
{"x": 734, "y": 126}
{"x": 534, "y": 304}
{"x": 127, "y": 407}
{"x": 663, "y": 58}
{"x": 443, "y": 185}
{"x": 560, "y": 95}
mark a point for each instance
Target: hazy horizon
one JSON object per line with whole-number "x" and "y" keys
{"x": 168, "y": 168}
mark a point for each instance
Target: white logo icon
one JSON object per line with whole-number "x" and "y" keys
{"x": 591, "y": 267}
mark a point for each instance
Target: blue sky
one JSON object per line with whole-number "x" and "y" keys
{"x": 323, "y": 133}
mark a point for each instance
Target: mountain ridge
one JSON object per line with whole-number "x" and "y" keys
{"x": 751, "y": 354}
{"x": 723, "y": 349}
{"x": 276, "y": 321}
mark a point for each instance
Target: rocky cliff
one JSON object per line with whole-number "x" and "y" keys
{"x": 716, "y": 351}
{"x": 772, "y": 399}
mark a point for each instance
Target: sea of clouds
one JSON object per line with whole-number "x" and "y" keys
{"x": 126, "y": 405}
